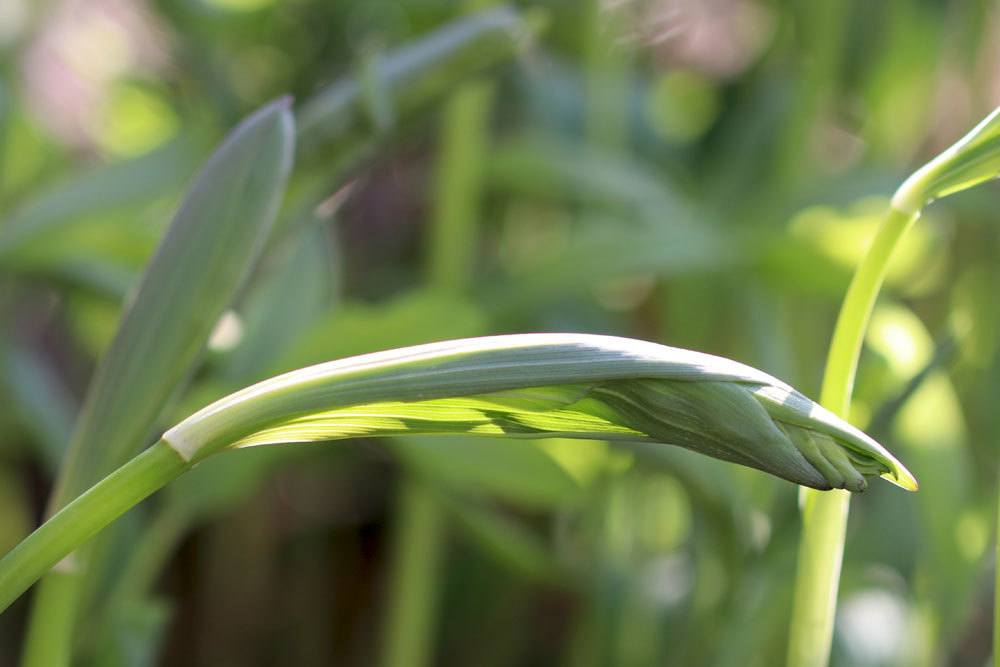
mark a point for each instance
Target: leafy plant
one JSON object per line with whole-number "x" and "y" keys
{"x": 621, "y": 178}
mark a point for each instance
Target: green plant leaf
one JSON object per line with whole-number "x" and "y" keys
{"x": 214, "y": 238}
{"x": 601, "y": 253}
{"x": 566, "y": 385}
{"x": 216, "y": 235}
{"x": 538, "y": 166}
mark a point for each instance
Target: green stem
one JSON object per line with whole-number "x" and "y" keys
{"x": 57, "y": 593}
{"x": 415, "y": 568}
{"x": 824, "y": 513}
{"x": 83, "y": 518}
{"x": 153, "y": 547}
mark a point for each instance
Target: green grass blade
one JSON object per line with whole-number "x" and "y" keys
{"x": 416, "y": 565}
{"x": 505, "y": 541}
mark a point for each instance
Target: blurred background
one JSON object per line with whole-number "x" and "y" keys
{"x": 700, "y": 173}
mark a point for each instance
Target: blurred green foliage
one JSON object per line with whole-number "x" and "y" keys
{"x": 705, "y": 175}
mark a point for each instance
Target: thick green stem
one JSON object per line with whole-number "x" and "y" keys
{"x": 83, "y": 518}
{"x": 824, "y": 513}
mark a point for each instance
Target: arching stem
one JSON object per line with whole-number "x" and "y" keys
{"x": 824, "y": 513}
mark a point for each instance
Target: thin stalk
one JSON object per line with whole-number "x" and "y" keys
{"x": 459, "y": 187}
{"x": 608, "y": 77}
{"x": 416, "y": 568}
{"x": 825, "y": 514}
{"x": 823, "y": 25}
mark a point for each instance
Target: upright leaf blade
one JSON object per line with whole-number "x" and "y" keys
{"x": 213, "y": 240}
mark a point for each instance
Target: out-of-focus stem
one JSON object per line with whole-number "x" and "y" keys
{"x": 458, "y": 186}
{"x": 416, "y": 563}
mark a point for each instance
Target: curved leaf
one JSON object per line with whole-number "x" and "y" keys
{"x": 569, "y": 385}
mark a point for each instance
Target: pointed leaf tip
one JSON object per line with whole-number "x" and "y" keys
{"x": 902, "y": 478}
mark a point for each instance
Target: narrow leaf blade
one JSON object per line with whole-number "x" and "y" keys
{"x": 213, "y": 240}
